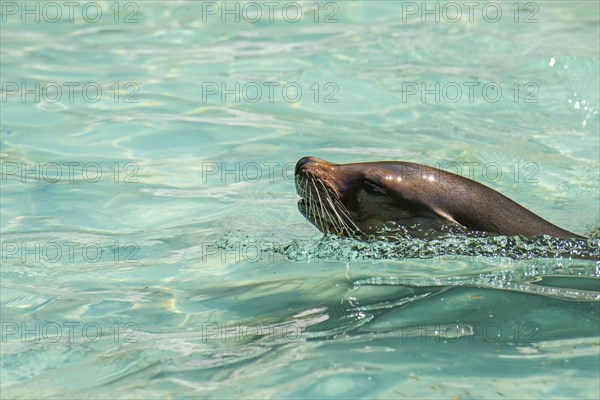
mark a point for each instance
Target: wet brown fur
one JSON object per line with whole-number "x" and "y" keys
{"x": 337, "y": 192}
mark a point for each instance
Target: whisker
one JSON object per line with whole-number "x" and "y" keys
{"x": 323, "y": 212}
{"x": 341, "y": 224}
{"x": 323, "y": 208}
{"x": 337, "y": 205}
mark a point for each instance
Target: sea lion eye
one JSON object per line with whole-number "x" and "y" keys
{"x": 373, "y": 189}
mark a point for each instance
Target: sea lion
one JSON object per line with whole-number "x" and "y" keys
{"x": 362, "y": 199}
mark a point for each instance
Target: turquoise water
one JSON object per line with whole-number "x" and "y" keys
{"x": 151, "y": 244}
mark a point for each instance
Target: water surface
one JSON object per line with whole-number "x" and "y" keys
{"x": 185, "y": 269}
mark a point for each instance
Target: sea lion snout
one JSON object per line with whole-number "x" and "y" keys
{"x": 341, "y": 179}
{"x": 307, "y": 160}
{"x": 301, "y": 162}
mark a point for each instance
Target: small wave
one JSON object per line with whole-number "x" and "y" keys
{"x": 400, "y": 248}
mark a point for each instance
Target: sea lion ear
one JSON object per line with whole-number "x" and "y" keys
{"x": 445, "y": 216}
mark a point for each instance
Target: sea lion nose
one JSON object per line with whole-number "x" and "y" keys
{"x": 301, "y": 162}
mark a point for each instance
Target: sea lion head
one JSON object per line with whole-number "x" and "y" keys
{"x": 353, "y": 199}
